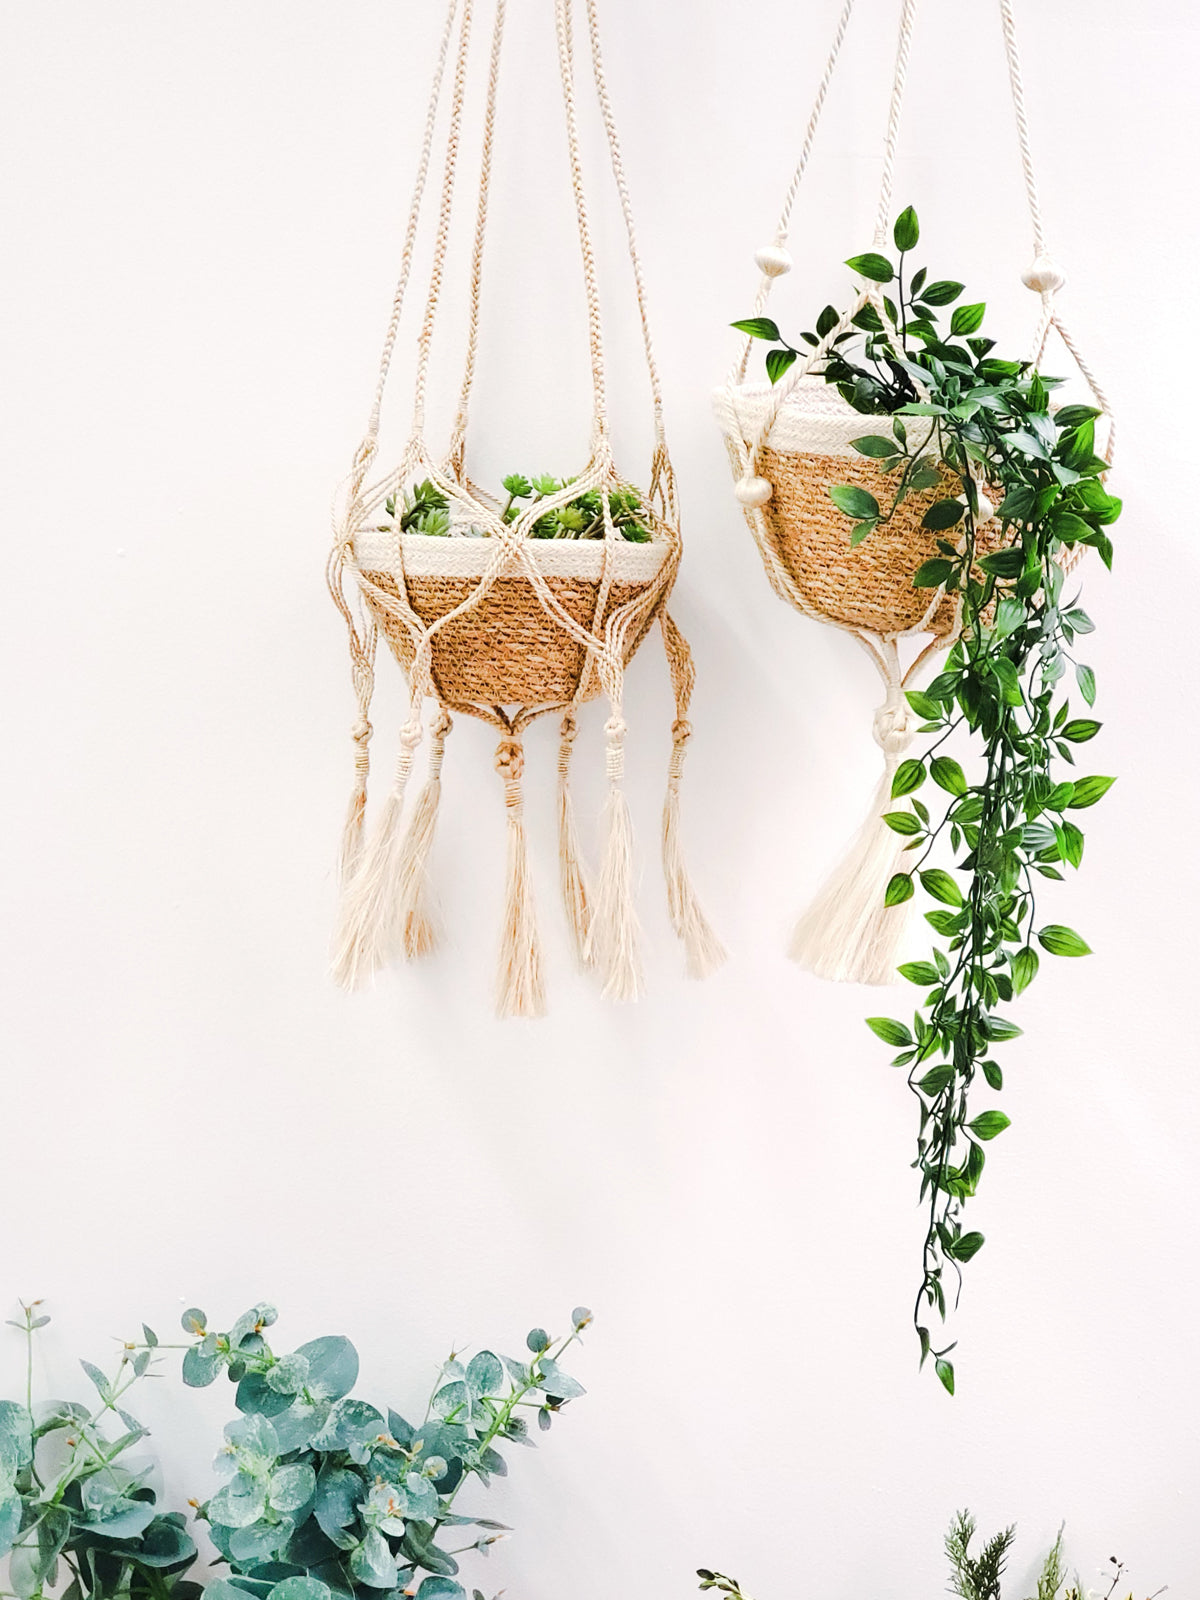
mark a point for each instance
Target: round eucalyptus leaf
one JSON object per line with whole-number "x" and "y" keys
{"x": 291, "y": 1487}
{"x": 257, "y": 1395}
{"x": 241, "y": 1502}
{"x": 300, "y": 1589}
{"x": 332, "y": 1366}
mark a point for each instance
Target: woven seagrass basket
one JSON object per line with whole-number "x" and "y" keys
{"x": 806, "y": 453}
{"x": 507, "y": 650}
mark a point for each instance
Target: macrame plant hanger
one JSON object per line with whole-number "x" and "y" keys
{"x": 787, "y": 443}
{"x": 483, "y": 625}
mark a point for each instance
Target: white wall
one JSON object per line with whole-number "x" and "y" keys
{"x": 202, "y": 208}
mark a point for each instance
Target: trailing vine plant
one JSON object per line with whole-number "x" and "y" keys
{"x": 951, "y": 405}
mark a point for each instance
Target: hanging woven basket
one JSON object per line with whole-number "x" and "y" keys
{"x": 490, "y": 619}
{"x": 808, "y": 450}
{"x": 509, "y": 650}
{"x": 789, "y": 443}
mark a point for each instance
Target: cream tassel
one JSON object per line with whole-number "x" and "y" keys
{"x": 519, "y": 991}
{"x": 704, "y": 951}
{"x": 352, "y": 830}
{"x": 614, "y": 935}
{"x": 570, "y": 862}
{"x": 848, "y": 933}
{"x": 364, "y": 938}
{"x": 416, "y": 928}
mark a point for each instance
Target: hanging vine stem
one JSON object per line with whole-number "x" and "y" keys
{"x": 988, "y": 422}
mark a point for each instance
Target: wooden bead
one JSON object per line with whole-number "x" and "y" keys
{"x": 1043, "y": 276}
{"x": 753, "y": 491}
{"x": 773, "y": 259}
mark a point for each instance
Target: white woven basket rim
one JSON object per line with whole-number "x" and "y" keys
{"x": 431, "y": 556}
{"x": 814, "y": 417}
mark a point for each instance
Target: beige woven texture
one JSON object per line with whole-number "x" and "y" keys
{"x": 508, "y": 650}
{"x": 870, "y": 585}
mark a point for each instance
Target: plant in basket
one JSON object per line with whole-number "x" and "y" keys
{"x": 509, "y": 608}
{"x": 955, "y": 424}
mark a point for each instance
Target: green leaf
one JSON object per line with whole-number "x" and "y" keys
{"x": 948, "y": 775}
{"x": 910, "y": 775}
{"x": 937, "y": 1079}
{"x": 537, "y": 1340}
{"x": 298, "y": 1589}
{"x": 872, "y": 265}
{"x": 945, "y": 1372}
{"x": 988, "y": 1124}
{"x": 827, "y": 321}
{"x": 1061, "y": 941}
{"x": 855, "y": 502}
{"x": 920, "y": 972}
{"x": 923, "y": 704}
{"x": 967, "y": 319}
{"x": 941, "y": 886}
{"x": 969, "y": 1245}
{"x": 899, "y": 889}
{"x": 859, "y": 532}
{"x": 1001, "y": 1029}
{"x": 902, "y": 822}
{"x": 1024, "y": 968}
{"x": 1003, "y": 563}
{"x": 332, "y": 1366}
{"x": 890, "y": 1031}
{"x": 758, "y": 328}
{"x": 435, "y": 1588}
{"x": 778, "y": 362}
{"x": 1086, "y": 679}
{"x": 943, "y": 514}
{"x": 942, "y": 292}
{"x": 874, "y": 445}
{"x": 931, "y": 575}
{"x": 1088, "y": 791}
{"x": 485, "y": 1375}
{"x": 907, "y": 230}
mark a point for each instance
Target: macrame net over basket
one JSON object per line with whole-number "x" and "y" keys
{"x": 789, "y": 443}
{"x": 492, "y": 623}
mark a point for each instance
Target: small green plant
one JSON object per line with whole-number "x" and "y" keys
{"x": 952, "y": 404}
{"x": 978, "y": 1577}
{"x": 71, "y": 1500}
{"x": 328, "y": 1496}
{"x": 423, "y": 508}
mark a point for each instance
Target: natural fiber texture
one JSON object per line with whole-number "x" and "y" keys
{"x": 572, "y": 878}
{"x": 614, "y": 938}
{"x": 848, "y": 932}
{"x": 869, "y": 585}
{"x": 412, "y": 888}
{"x": 519, "y": 991}
{"x": 506, "y": 650}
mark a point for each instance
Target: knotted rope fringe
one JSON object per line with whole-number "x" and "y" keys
{"x": 570, "y": 861}
{"x": 365, "y": 936}
{"x": 848, "y": 933}
{"x": 703, "y": 951}
{"x": 352, "y": 832}
{"x": 412, "y": 910}
{"x": 519, "y": 991}
{"x": 614, "y": 937}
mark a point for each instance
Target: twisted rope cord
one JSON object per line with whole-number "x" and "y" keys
{"x": 485, "y": 174}
{"x": 895, "y": 106}
{"x": 444, "y": 214}
{"x": 766, "y": 280}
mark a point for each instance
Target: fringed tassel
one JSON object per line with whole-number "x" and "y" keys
{"x": 614, "y": 936}
{"x": 519, "y": 991}
{"x": 416, "y": 927}
{"x": 848, "y": 934}
{"x": 703, "y": 950}
{"x": 570, "y": 862}
{"x": 365, "y": 936}
{"x": 352, "y": 831}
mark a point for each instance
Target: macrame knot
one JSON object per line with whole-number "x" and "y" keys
{"x": 442, "y": 725}
{"x": 681, "y": 730}
{"x": 410, "y": 736}
{"x": 1043, "y": 275}
{"x": 361, "y": 732}
{"x": 773, "y": 260}
{"x": 510, "y": 761}
{"x": 894, "y": 724}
